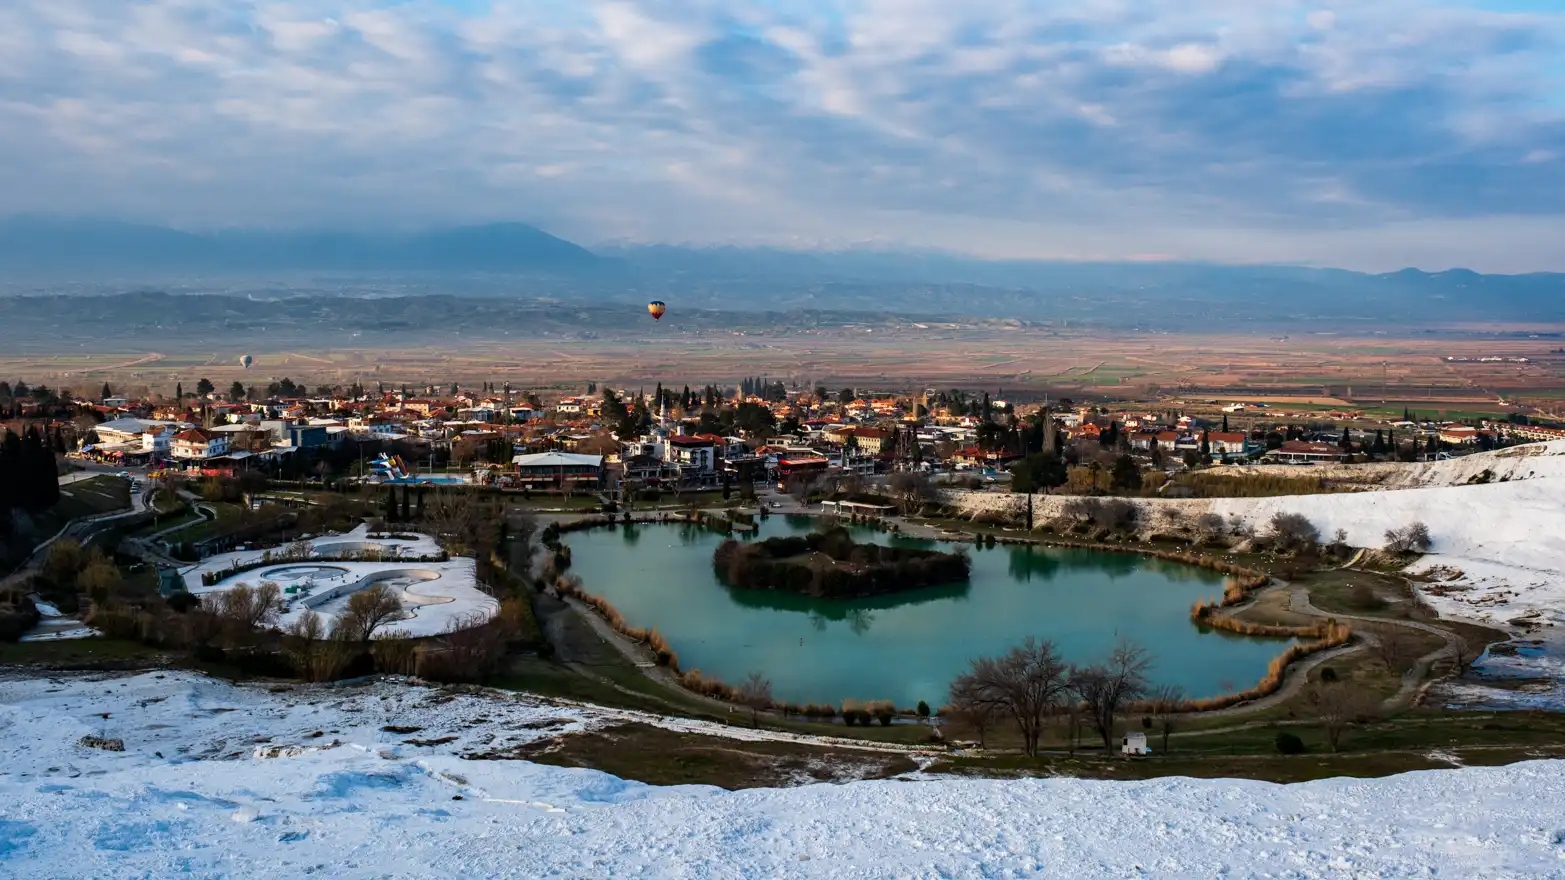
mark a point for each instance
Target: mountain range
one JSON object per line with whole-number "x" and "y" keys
{"x": 513, "y": 260}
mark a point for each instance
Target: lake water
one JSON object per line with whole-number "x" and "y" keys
{"x": 909, "y": 646}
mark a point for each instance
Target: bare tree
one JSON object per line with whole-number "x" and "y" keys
{"x": 800, "y": 487}
{"x": 368, "y": 610}
{"x": 1209, "y": 528}
{"x": 1028, "y": 683}
{"x": 1166, "y": 701}
{"x": 967, "y": 708}
{"x": 244, "y": 607}
{"x": 315, "y": 654}
{"x": 756, "y": 693}
{"x": 1107, "y": 687}
{"x": 911, "y": 491}
{"x": 458, "y": 519}
{"x": 1292, "y": 532}
{"x": 1336, "y": 705}
{"x": 1412, "y": 539}
{"x": 1396, "y": 648}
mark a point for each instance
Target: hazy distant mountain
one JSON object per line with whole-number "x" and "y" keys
{"x": 65, "y": 247}
{"x": 511, "y": 260}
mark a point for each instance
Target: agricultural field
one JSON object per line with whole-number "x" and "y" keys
{"x": 1311, "y": 371}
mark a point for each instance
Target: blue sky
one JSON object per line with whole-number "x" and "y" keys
{"x": 1365, "y": 133}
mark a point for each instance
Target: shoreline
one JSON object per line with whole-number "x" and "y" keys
{"x": 1274, "y": 683}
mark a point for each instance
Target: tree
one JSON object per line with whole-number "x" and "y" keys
{"x": 1027, "y": 683}
{"x": 236, "y": 392}
{"x": 107, "y": 392}
{"x": 1126, "y": 475}
{"x": 1106, "y": 687}
{"x": 755, "y": 692}
{"x": 1336, "y": 705}
{"x": 1166, "y": 701}
{"x": 407, "y": 504}
{"x": 1412, "y": 539}
{"x": 204, "y": 387}
{"x": 368, "y": 610}
{"x": 179, "y": 391}
{"x": 1039, "y": 472}
{"x": 1396, "y": 648}
{"x": 911, "y": 491}
{"x": 391, "y": 504}
{"x": 1292, "y": 532}
{"x": 969, "y": 709}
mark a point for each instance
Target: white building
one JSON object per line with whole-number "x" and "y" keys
{"x": 198, "y": 444}
{"x": 1134, "y": 745}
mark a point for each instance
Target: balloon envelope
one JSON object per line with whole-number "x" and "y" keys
{"x": 245, "y": 361}
{"x": 656, "y": 309}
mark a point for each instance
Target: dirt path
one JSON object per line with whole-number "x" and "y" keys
{"x": 1417, "y": 675}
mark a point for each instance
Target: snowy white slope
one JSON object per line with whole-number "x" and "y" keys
{"x": 376, "y": 807}
{"x": 1508, "y": 538}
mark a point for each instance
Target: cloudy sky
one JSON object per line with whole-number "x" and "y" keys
{"x": 1362, "y": 133}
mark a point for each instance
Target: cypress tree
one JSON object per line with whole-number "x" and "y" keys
{"x": 391, "y": 504}
{"x": 421, "y": 490}
{"x": 407, "y": 504}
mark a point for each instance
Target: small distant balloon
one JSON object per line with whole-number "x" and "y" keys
{"x": 245, "y": 361}
{"x": 656, "y": 308}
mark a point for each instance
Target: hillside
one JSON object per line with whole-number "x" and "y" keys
{"x": 219, "y": 780}
{"x": 1526, "y": 462}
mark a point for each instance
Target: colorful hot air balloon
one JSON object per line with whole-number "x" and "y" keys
{"x": 245, "y": 361}
{"x": 656, "y": 309}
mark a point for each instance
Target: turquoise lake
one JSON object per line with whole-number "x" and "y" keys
{"x": 909, "y": 647}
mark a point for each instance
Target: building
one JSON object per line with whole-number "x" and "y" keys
{"x": 197, "y": 443}
{"x": 123, "y": 431}
{"x": 559, "y": 470}
{"x": 1304, "y": 452}
{"x": 693, "y": 454}
{"x": 794, "y": 465}
{"x": 1536, "y": 433}
{"x": 1459, "y": 435}
{"x": 1227, "y": 443}
{"x": 1134, "y": 745}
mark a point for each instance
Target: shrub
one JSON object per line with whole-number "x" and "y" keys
{"x": 1289, "y": 744}
{"x": 182, "y": 601}
{"x": 1328, "y": 674}
{"x": 1363, "y": 596}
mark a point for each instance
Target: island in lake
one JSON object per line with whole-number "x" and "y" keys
{"x": 831, "y": 564}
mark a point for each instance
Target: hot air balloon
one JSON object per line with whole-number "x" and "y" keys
{"x": 245, "y": 361}
{"x": 656, "y": 309}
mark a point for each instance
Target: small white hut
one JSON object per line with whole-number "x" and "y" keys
{"x": 1134, "y": 745}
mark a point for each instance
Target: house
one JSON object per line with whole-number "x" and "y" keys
{"x": 1304, "y": 452}
{"x": 156, "y": 439}
{"x": 197, "y": 443}
{"x": 693, "y": 453}
{"x": 1227, "y": 443}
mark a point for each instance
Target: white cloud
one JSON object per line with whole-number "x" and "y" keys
{"x": 1091, "y": 128}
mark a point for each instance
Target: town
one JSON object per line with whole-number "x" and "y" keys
{"x": 625, "y": 442}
